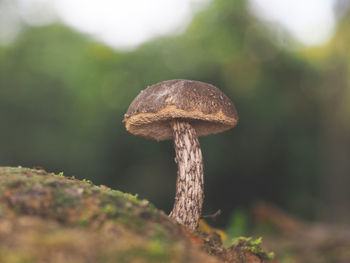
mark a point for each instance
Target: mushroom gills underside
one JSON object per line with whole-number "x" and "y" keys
{"x": 160, "y": 130}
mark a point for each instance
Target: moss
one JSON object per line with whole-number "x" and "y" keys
{"x": 109, "y": 209}
{"x": 56, "y": 198}
{"x": 63, "y": 199}
{"x": 82, "y": 223}
{"x": 87, "y": 192}
{"x": 85, "y": 223}
{"x": 87, "y": 181}
{"x": 8, "y": 256}
{"x": 14, "y": 183}
{"x": 253, "y": 246}
{"x": 155, "y": 251}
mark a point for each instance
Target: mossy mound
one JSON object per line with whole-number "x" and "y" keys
{"x": 51, "y": 218}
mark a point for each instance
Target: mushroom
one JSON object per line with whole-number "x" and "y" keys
{"x": 182, "y": 110}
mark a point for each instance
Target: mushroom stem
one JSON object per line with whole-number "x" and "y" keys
{"x": 190, "y": 184}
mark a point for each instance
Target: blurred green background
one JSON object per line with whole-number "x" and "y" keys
{"x": 63, "y": 96}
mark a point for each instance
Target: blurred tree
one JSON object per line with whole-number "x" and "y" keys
{"x": 334, "y": 95}
{"x": 63, "y": 96}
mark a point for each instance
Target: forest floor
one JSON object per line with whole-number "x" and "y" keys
{"x": 51, "y": 218}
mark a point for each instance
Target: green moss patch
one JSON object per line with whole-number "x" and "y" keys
{"x": 54, "y": 218}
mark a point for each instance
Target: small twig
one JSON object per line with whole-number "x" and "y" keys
{"x": 213, "y": 216}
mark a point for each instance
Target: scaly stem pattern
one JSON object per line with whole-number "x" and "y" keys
{"x": 190, "y": 185}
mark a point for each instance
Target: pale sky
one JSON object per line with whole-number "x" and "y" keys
{"x": 312, "y": 22}
{"x": 129, "y": 23}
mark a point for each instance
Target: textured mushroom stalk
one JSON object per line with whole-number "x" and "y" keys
{"x": 189, "y": 186}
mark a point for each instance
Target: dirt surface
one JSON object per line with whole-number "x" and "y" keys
{"x": 52, "y": 218}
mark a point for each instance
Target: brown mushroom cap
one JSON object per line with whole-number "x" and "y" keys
{"x": 204, "y": 106}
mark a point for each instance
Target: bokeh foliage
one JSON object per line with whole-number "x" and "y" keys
{"x": 63, "y": 96}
